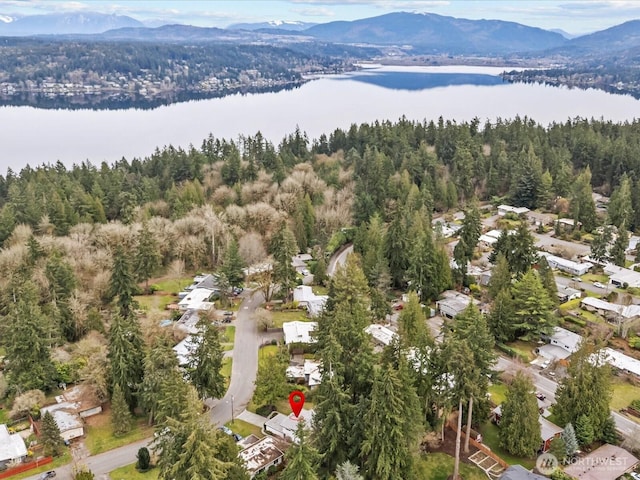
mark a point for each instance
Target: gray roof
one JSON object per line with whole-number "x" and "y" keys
{"x": 518, "y": 472}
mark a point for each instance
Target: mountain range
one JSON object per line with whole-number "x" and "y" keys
{"x": 414, "y": 33}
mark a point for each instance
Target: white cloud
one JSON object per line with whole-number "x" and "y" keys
{"x": 387, "y": 4}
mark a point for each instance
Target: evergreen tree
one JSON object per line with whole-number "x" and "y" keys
{"x": 374, "y": 263}
{"x": 620, "y": 209}
{"x": 143, "y": 457}
{"x": 83, "y": 474}
{"x": 570, "y": 440}
{"x": 585, "y": 390}
{"x": 50, "y": 438}
{"x": 320, "y": 271}
{"x": 147, "y": 256}
{"x": 548, "y": 279}
{"x": 126, "y": 357}
{"x": 348, "y": 471}
{"x": 206, "y": 362}
{"x": 25, "y": 337}
{"x": 584, "y": 430}
{"x": 412, "y": 323}
{"x": 304, "y": 223}
{"x": 271, "y": 380}
{"x": 500, "y": 276}
{"x": 232, "y": 265}
{"x": 160, "y": 367}
{"x": 558, "y": 448}
{"x": 62, "y": 283}
{"x": 600, "y": 244}
{"x": 122, "y": 286}
{"x": 302, "y": 459}
{"x": 619, "y": 248}
{"x": 397, "y": 247}
{"x": 120, "y": 415}
{"x": 533, "y": 308}
{"x": 582, "y": 205}
{"x": 501, "y": 318}
{"x": 283, "y": 247}
{"x": 390, "y": 434}
{"x": 518, "y": 249}
{"x": 610, "y": 431}
{"x": 519, "y": 427}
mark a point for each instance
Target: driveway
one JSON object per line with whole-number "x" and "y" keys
{"x": 339, "y": 258}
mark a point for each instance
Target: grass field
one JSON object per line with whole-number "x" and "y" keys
{"x": 623, "y": 394}
{"x": 244, "y": 428}
{"x": 439, "y": 466}
{"x": 227, "y": 363}
{"x": 320, "y": 290}
{"x": 229, "y": 335}
{"x": 154, "y": 302}
{"x": 173, "y": 285}
{"x": 498, "y": 392}
{"x": 280, "y": 317}
{"x": 524, "y": 348}
{"x": 490, "y": 438}
{"x": 100, "y": 438}
{"x": 4, "y": 415}
{"x": 129, "y": 472}
{"x": 592, "y": 277}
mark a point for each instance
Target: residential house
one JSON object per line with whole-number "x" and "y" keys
{"x": 537, "y": 218}
{"x": 633, "y": 244}
{"x": 620, "y": 276}
{"x": 454, "y": 303}
{"x": 262, "y": 455}
{"x": 505, "y": 209}
{"x": 67, "y": 418}
{"x": 518, "y": 472}
{"x": 566, "y": 294}
{"x": 491, "y": 237}
{"x": 84, "y": 400}
{"x": 446, "y": 228}
{"x": 548, "y": 430}
{"x": 566, "y": 224}
{"x": 381, "y": 334}
{"x": 12, "y": 447}
{"x": 565, "y": 339}
{"x": 185, "y": 349}
{"x": 605, "y": 463}
{"x": 303, "y": 294}
{"x": 197, "y": 299}
{"x": 298, "y": 332}
{"x": 568, "y": 266}
{"x": 610, "y": 310}
{"x": 299, "y": 262}
{"x": 285, "y": 426}
{"x": 307, "y": 373}
{"x": 601, "y": 201}
{"x": 621, "y": 361}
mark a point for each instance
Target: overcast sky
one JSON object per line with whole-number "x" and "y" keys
{"x": 573, "y": 16}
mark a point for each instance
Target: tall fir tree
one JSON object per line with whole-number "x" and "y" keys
{"x": 126, "y": 355}
{"x": 122, "y": 286}
{"x": 412, "y": 323}
{"x": 500, "y": 276}
{"x": 519, "y": 426}
{"x": 205, "y": 363}
{"x": 570, "y": 440}
{"x": 283, "y": 247}
{"x": 501, "y": 318}
{"x": 620, "y": 208}
{"x": 619, "y": 248}
{"x": 585, "y": 390}
{"x": 396, "y": 248}
{"x": 302, "y": 458}
{"x": 582, "y": 205}
{"x": 120, "y": 415}
{"x": 160, "y": 365}
{"x": 147, "y": 256}
{"x": 232, "y": 265}
{"x": 50, "y": 437}
{"x": 533, "y": 308}
{"x": 548, "y": 279}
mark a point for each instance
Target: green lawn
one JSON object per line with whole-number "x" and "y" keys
{"x": 265, "y": 352}
{"x": 154, "y": 302}
{"x": 524, "y": 348}
{"x": 130, "y": 473}
{"x": 592, "y": 277}
{"x": 57, "y": 462}
{"x": 498, "y": 392}
{"x": 320, "y": 290}
{"x": 571, "y": 304}
{"x": 490, "y": 439}
{"x": 439, "y": 466}
{"x": 4, "y": 415}
{"x": 280, "y": 317}
{"x": 227, "y": 363}
{"x": 100, "y": 438}
{"x": 623, "y": 394}
{"x": 173, "y": 285}
{"x": 244, "y": 428}
{"x": 229, "y": 335}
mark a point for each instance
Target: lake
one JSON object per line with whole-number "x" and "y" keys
{"x": 35, "y": 136}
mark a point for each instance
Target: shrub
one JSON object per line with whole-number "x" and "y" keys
{"x": 265, "y": 410}
{"x": 144, "y": 459}
{"x": 24, "y": 403}
{"x": 634, "y": 342}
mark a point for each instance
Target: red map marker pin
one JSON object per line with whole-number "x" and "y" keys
{"x": 296, "y": 400}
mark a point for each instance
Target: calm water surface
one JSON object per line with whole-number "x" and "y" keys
{"x": 35, "y": 136}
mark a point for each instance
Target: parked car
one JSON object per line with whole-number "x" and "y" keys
{"x": 545, "y": 364}
{"x": 599, "y": 285}
{"x": 49, "y": 474}
{"x": 576, "y": 279}
{"x": 226, "y": 430}
{"x": 305, "y": 272}
{"x": 540, "y": 396}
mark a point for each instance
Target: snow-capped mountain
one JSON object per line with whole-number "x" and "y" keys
{"x": 290, "y": 25}
{"x": 64, "y": 23}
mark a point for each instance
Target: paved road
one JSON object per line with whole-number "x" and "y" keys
{"x": 339, "y": 259}
{"x": 245, "y": 364}
{"x": 243, "y": 375}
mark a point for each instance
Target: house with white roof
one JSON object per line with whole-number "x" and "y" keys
{"x": 298, "y": 332}
{"x": 197, "y": 299}
{"x": 568, "y": 266}
{"x": 66, "y": 416}
{"x": 454, "y": 303}
{"x": 303, "y": 294}
{"x": 12, "y": 447}
{"x": 620, "y": 276}
{"x": 565, "y": 339}
{"x": 185, "y": 349}
{"x": 308, "y": 372}
{"x": 610, "y": 310}
{"x": 262, "y": 455}
{"x": 621, "y": 361}
{"x": 381, "y": 334}
{"x": 504, "y": 209}
{"x": 285, "y": 426}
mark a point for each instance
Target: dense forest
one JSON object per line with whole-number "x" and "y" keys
{"x": 77, "y": 243}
